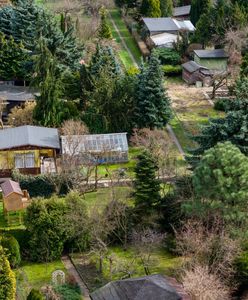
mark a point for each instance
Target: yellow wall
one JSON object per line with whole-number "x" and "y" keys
{"x": 7, "y": 158}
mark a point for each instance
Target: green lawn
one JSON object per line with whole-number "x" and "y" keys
{"x": 162, "y": 262}
{"x": 13, "y": 220}
{"x": 35, "y": 275}
{"x": 129, "y": 40}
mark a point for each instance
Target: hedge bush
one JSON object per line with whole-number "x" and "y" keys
{"x": 39, "y": 185}
{"x": 170, "y": 70}
{"x": 242, "y": 267}
{"x": 222, "y": 104}
{"x": 12, "y": 250}
{"x": 168, "y": 56}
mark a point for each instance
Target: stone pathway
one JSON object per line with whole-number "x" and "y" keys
{"x": 72, "y": 271}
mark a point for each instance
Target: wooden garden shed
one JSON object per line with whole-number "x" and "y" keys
{"x": 14, "y": 198}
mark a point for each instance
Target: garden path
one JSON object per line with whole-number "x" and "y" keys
{"x": 72, "y": 271}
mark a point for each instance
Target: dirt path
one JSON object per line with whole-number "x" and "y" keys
{"x": 72, "y": 271}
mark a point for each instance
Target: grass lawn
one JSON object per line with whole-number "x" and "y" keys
{"x": 102, "y": 197}
{"x": 162, "y": 262}
{"x": 130, "y": 41}
{"x": 35, "y": 275}
{"x": 13, "y": 220}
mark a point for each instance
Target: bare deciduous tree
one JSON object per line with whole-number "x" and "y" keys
{"x": 200, "y": 284}
{"x": 208, "y": 247}
{"x": 219, "y": 80}
{"x": 145, "y": 242}
{"x": 22, "y": 115}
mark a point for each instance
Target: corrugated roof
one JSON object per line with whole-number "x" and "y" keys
{"x": 29, "y": 136}
{"x": 10, "y": 186}
{"x": 160, "y": 24}
{"x": 16, "y": 93}
{"x": 191, "y": 66}
{"x": 167, "y": 24}
{"x": 182, "y": 11}
{"x": 216, "y": 53}
{"x": 142, "y": 288}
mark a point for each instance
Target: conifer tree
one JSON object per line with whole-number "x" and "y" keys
{"x": 233, "y": 128}
{"x": 199, "y": 7}
{"x": 244, "y": 66}
{"x": 151, "y": 8}
{"x": 26, "y": 22}
{"x": 146, "y": 184}
{"x": 104, "y": 58}
{"x": 153, "y": 104}
{"x": 48, "y": 110}
{"x": 166, "y": 7}
{"x": 7, "y": 278}
{"x": 13, "y": 58}
{"x": 104, "y": 31}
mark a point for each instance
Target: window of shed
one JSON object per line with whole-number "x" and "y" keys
{"x": 26, "y": 160}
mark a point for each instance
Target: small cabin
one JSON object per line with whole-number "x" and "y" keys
{"x": 14, "y": 198}
{"x": 215, "y": 60}
{"x": 192, "y": 72}
{"x": 30, "y": 149}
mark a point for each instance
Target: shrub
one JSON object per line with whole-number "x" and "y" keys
{"x": 68, "y": 292}
{"x": 200, "y": 284}
{"x": 222, "y": 104}
{"x": 242, "y": 267}
{"x": 40, "y": 185}
{"x": 12, "y": 249}
{"x": 35, "y": 295}
{"x": 168, "y": 56}
{"x": 171, "y": 70}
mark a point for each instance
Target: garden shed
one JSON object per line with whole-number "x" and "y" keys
{"x": 97, "y": 148}
{"x": 192, "y": 72}
{"x": 143, "y": 288}
{"x": 215, "y": 60}
{"x": 14, "y": 199}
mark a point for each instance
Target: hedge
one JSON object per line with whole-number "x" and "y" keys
{"x": 170, "y": 70}
{"x": 168, "y": 56}
{"x": 39, "y": 185}
{"x": 12, "y": 249}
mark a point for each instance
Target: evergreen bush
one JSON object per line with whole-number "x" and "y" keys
{"x": 168, "y": 56}
{"x": 12, "y": 249}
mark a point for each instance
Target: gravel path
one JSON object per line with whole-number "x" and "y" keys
{"x": 72, "y": 271}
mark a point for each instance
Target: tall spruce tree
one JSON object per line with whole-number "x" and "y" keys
{"x": 104, "y": 31}
{"x": 27, "y": 22}
{"x": 152, "y": 102}
{"x": 166, "y": 7}
{"x": 146, "y": 184}
{"x": 7, "y": 278}
{"x": 233, "y": 127}
{"x": 199, "y": 7}
{"x": 49, "y": 109}
{"x": 150, "y": 8}
{"x": 13, "y": 59}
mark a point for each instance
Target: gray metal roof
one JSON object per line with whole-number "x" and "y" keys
{"x": 160, "y": 24}
{"x": 16, "y": 93}
{"x": 142, "y": 288}
{"x": 216, "y": 53}
{"x": 29, "y": 136}
{"x": 167, "y": 25}
{"x": 182, "y": 11}
{"x": 191, "y": 66}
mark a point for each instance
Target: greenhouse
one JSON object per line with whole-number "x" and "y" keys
{"x": 97, "y": 148}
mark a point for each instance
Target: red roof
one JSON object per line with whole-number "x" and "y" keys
{"x": 11, "y": 186}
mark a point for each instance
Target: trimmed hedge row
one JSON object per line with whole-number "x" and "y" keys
{"x": 39, "y": 185}
{"x": 171, "y": 70}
